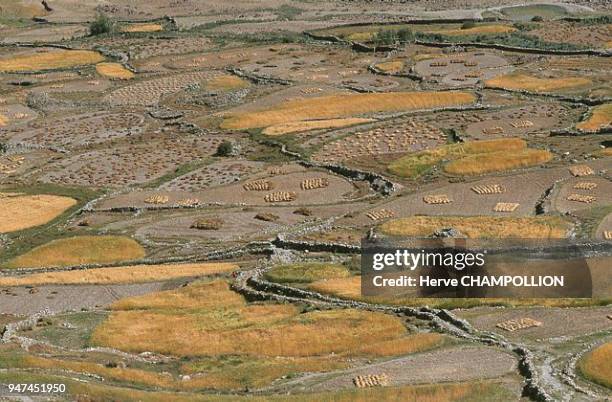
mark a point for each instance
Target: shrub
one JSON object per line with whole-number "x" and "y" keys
{"x": 101, "y": 25}
{"x": 468, "y": 25}
{"x": 226, "y": 148}
{"x": 537, "y": 18}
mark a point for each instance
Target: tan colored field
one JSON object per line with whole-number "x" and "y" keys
{"x": 596, "y": 365}
{"x": 477, "y": 30}
{"x": 601, "y": 116}
{"x": 145, "y": 27}
{"x": 16, "y": 9}
{"x": 207, "y": 319}
{"x": 18, "y": 212}
{"x": 127, "y": 274}
{"x": 226, "y": 82}
{"x": 287, "y": 128}
{"x": 3, "y": 120}
{"x": 350, "y": 288}
{"x": 497, "y": 162}
{"x": 80, "y": 250}
{"x": 391, "y": 67}
{"x": 114, "y": 71}
{"x": 49, "y": 60}
{"x": 527, "y": 82}
{"x": 480, "y": 227}
{"x": 345, "y": 105}
{"x": 505, "y": 152}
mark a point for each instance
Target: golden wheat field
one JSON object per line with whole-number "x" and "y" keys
{"x": 301, "y": 126}
{"x": 222, "y": 322}
{"x": 226, "y": 82}
{"x": 497, "y": 162}
{"x": 600, "y": 117}
{"x": 480, "y": 227}
{"x": 345, "y": 105}
{"x": 477, "y": 30}
{"x": 596, "y": 365}
{"x": 525, "y": 82}
{"x": 471, "y": 157}
{"x": 3, "y": 120}
{"x": 49, "y": 60}
{"x": 126, "y": 274}
{"x": 144, "y": 27}
{"x": 18, "y": 212}
{"x": 391, "y": 67}
{"x": 114, "y": 71}
{"x": 80, "y": 250}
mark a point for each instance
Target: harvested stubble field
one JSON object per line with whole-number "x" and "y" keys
{"x": 19, "y": 211}
{"x": 80, "y": 250}
{"x": 78, "y": 130}
{"x": 47, "y": 59}
{"x": 114, "y": 71}
{"x": 150, "y": 92}
{"x": 207, "y": 319}
{"x": 471, "y": 158}
{"x": 338, "y": 106}
{"x": 547, "y": 227}
{"x": 527, "y": 82}
{"x": 390, "y": 138}
{"x": 596, "y": 365}
{"x": 136, "y": 162}
{"x": 117, "y": 275}
{"x": 600, "y": 117}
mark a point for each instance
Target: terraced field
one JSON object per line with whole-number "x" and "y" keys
{"x": 189, "y": 193}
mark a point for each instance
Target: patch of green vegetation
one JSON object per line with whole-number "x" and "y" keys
{"x": 306, "y": 272}
{"x": 527, "y": 12}
{"x": 101, "y": 25}
{"x": 74, "y": 335}
{"x": 590, "y": 220}
{"x": 24, "y": 240}
{"x": 287, "y": 12}
{"x": 515, "y": 39}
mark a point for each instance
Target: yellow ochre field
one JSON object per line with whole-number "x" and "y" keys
{"x": 497, "y": 162}
{"x": 208, "y": 319}
{"x": 300, "y": 126}
{"x": 145, "y": 27}
{"x": 596, "y": 365}
{"x": 126, "y": 274}
{"x": 471, "y": 158}
{"x": 391, "y": 67}
{"x": 480, "y": 227}
{"x": 49, "y": 60}
{"x": 3, "y": 120}
{"x": 477, "y": 30}
{"x": 18, "y": 212}
{"x": 80, "y": 250}
{"x": 226, "y": 82}
{"x": 114, "y": 71}
{"x": 345, "y": 105}
{"x": 601, "y": 116}
{"x": 527, "y": 82}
